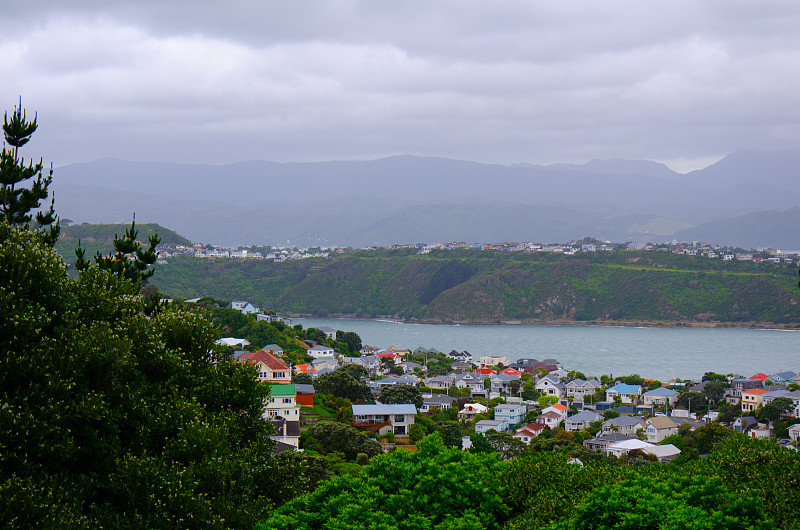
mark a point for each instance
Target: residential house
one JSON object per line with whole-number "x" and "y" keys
{"x": 270, "y": 368}
{"x": 560, "y": 409}
{"x": 493, "y": 360}
{"x": 232, "y": 342}
{"x": 734, "y": 394}
{"x": 664, "y": 453}
{"x": 316, "y": 374}
{"x": 483, "y": 370}
{"x": 762, "y": 377}
{"x": 744, "y": 424}
{"x": 325, "y": 362}
{"x": 366, "y": 349}
{"x": 471, "y": 410}
{"x": 550, "y": 419}
{"x": 626, "y": 393}
{"x": 524, "y": 365}
{"x": 405, "y": 379}
{"x": 511, "y": 413}
{"x": 551, "y": 385}
{"x": 782, "y": 378}
{"x": 439, "y": 382}
{"x": 528, "y": 432}
{"x": 274, "y": 349}
{"x": 660, "y": 397}
{"x": 548, "y": 364}
{"x": 794, "y": 432}
{"x": 485, "y": 425}
{"x": 659, "y": 427}
{"x": 287, "y": 432}
{"x": 511, "y": 371}
{"x": 402, "y": 352}
{"x": 501, "y": 382}
{"x": 328, "y": 331}
{"x": 304, "y": 369}
{"x": 436, "y": 402}
{"x": 473, "y": 381}
{"x": 581, "y": 420}
{"x": 601, "y": 443}
{"x": 578, "y": 388}
{"x": 751, "y": 399}
{"x": 410, "y": 367}
{"x": 245, "y": 307}
{"x": 628, "y": 425}
{"x": 459, "y": 367}
{"x": 282, "y": 403}
{"x": 463, "y": 356}
{"x": 320, "y": 351}
{"x": 305, "y": 395}
{"x": 384, "y": 418}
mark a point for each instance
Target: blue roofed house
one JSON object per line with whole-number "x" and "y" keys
{"x": 512, "y": 413}
{"x": 626, "y": 393}
{"x": 782, "y": 378}
{"x": 384, "y": 418}
{"x": 660, "y": 397}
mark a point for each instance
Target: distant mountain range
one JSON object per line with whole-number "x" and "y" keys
{"x": 744, "y": 200}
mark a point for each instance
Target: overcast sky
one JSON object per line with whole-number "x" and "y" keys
{"x": 682, "y": 82}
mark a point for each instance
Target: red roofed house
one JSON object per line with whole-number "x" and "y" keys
{"x": 761, "y": 376}
{"x": 529, "y": 432}
{"x": 485, "y": 371}
{"x": 752, "y": 399}
{"x": 511, "y": 371}
{"x": 304, "y": 369}
{"x": 270, "y": 368}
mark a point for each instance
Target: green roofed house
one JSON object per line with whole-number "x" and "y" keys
{"x": 282, "y": 403}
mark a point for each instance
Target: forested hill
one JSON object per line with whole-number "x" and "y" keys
{"x": 94, "y": 237}
{"x": 487, "y": 286}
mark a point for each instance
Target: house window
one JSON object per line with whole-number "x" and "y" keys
{"x": 399, "y": 418}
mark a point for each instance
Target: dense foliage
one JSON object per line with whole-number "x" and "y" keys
{"x": 434, "y": 487}
{"x": 471, "y": 285}
{"x": 110, "y": 417}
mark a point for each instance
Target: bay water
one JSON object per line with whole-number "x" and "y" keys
{"x": 652, "y": 352}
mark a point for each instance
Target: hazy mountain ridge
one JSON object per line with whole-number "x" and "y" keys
{"x": 406, "y": 199}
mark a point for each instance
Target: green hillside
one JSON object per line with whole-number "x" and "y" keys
{"x": 488, "y": 286}
{"x": 94, "y": 237}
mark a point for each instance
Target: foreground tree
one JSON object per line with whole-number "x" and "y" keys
{"x": 113, "y": 418}
{"x": 18, "y": 202}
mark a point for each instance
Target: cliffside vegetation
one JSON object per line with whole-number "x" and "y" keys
{"x": 489, "y": 286}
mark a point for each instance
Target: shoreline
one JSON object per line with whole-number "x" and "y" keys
{"x": 576, "y": 323}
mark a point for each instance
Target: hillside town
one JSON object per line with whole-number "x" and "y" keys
{"x": 521, "y": 401}
{"x": 587, "y": 245}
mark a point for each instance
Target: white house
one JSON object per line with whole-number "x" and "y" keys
{"x": 282, "y": 403}
{"x": 551, "y": 385}
{"x": 320, "y": 351}
{"x": 659, "y": 427}
{"x": 581, "y": 420}
{"x": 578, "y": 388}
{"x": 660, "y": 397}
{"x": 384, "y": 418}
{"x": 485, "y": 425}
{"x": 245, "y": 307}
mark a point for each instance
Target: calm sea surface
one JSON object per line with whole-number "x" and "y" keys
{"x": 657, "y": 353}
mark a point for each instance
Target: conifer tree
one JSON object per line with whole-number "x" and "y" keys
{"x": 18, "y": 202}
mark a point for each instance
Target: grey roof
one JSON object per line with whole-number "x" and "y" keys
{"x": 624, "y": 421}
{"x": 586, "y": 416}
{"x": 491, "y": 423}
{"x": 611, "y": 438}
{"x": 784, "y": 375}
{"x": 438, "y": 399}
{"x": 509, "y": 407}
{"x": 305, "y": 389}
{"x": 292, "y": 427}
{"x": 381, "y": 408}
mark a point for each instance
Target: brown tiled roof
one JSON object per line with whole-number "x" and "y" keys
{"x": 272, "y": 362}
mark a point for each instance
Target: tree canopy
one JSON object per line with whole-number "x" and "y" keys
{"x": 115, "y": 418}
{"x": 18, "y": 202}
